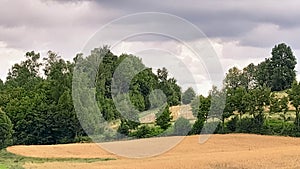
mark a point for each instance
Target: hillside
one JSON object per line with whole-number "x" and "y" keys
{"x": 176, "y": 112}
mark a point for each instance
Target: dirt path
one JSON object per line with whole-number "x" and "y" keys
{"x": 221, "y": 151}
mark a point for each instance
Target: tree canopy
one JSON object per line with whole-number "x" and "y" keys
{"x": 188, "y": 95}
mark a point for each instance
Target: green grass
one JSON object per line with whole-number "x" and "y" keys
{"x": 12, "y": 161}
{"x": 2, "y": 166}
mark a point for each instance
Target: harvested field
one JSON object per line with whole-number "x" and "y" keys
{"x": 220, "y": 151}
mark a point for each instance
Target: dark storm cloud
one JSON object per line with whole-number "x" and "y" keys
{"x": 242, "y": 29}
{"x": 230, "y": 19}
{"x": 47, "y": 21}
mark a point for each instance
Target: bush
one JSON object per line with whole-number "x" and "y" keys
{"x": 197, "y": 127}
{"x": 163, "y": 119}
{"x": 250, "y": 125}
{"x": 146, "y": 131}
{"x": 168, "y": 132}
{"x": 208, "y": 128}
{"x": 214, "y": 127}
{"x": 273, "y": 127}
{"x": 83, "y": 139}
{"x": 245, "y": 125}
{"x": 125, "y": 127}
{"x": 188, "y": 96}
{"x": 182, "y": 126}
{"x": 6, "y": 130}
{"x": 231, "y": 125}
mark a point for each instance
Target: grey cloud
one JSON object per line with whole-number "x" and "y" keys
{"x": 230, "y": 20}
{"x": 55, "y": 24}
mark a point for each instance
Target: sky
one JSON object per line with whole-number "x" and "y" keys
{"x": 240, "y": 32}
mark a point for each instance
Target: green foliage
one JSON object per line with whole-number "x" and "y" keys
{"x": 212, "y": 127}
{"x": 41, "y": 108}
{"x": 25, "y": 74}
{"x": 278, "y": 72}
{"x": 256, "y": 99}
{"x": 294, "y": 97}
{"x": 233, "y": 78}
{"x": 39, "y": 105}
{"x": 126, "y": 127}
{"x": 141, "y": 86}
{"x": 247, "y": 125}
{"x": 218, "y": 103}
{"x": 169, "y": 87}
{"x": 123, "y": 128}
{"x": 232, "y": 124}
{"x": 13, "y": 161}
{"x": 145, "y": 131}
{"x": 163, "y": 118}
{"x": 197, "y": 127}
{"x": 188, "y": 96}
{"x": 201, "y": 106}
{"x": 6, "y": 130}
{"x": 278, "y": 105}
{"x": 182, "y": 126}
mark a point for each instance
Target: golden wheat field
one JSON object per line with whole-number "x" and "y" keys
{"x": 234, "y": 151}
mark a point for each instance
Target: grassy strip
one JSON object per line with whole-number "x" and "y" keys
{"x": 2, "y": 166}
{"x": 12, "y": 161}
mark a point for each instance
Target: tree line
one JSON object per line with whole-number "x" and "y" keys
{"x": 36, "y": 97}
{"x": 37, "y": 105}
{"x": 255, "y": 94}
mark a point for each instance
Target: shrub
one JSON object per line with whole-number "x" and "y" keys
{"x": 6, "y": 130}
{"x": 182, "y": 126}
{"x": 209, "y": 127}
{"x": 246, "y": 125}
{"x": 197, "y": 127}
{"x": 213, "y": 127}
{"x": 146, "y": 131}
{"x": 82, "y": 139}
{"x": 231, "y": 125}
{"x": 163, "y": 119}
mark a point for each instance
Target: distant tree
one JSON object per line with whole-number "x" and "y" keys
{"x": 169, "y": 86}
{"x": 188, "y": 96}
{"x": 263, "y": 73}
{"x": 278, "y": 72}
{"x": 256, "y": 100}
{"x": 182, "y": 126}
{"x": 230, "y": 106}
{"x": 294, "y": 97}
{"x": 163, "y": 119}
{"x": 26, "y": 74}
{"x": 1, "y": 85}
{"x": 233, "y": 78}
{"x": 123, "y": 128}
{"x": 145, "y": 131}
{"x": 218, "y": 102}
{"x": 248, "y": 77}
{"x": 275, "y": 106}
{"x": 200, "y": 108}
{"x": 238, "y": 100}
{"x": 6, "y": 130}
{"x": 279, "y": 105}
{"x": 162, "y": 74}
{"x": 140, "y": 88}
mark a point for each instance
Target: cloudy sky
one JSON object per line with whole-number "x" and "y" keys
{"x": 241, "y": 32}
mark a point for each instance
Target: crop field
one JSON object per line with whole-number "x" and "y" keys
{"x": 220, "y": 151}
